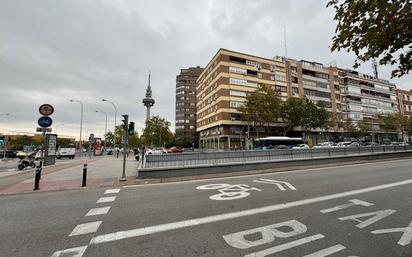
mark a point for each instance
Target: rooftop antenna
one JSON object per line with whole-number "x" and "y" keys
{"x": 375, "y": 68}
{"x": 284, "y": 40}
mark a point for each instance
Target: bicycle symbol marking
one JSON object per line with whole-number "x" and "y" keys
{"x": 228, "y": 191}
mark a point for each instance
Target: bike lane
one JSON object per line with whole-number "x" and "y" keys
{"x": 147, "y": 206}
{"x": 368, "y": 224}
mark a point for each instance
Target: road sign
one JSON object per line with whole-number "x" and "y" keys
{"x": 46, "y": 109}
{"x": 38, "y": 129}
{"x": 45, "y": 121}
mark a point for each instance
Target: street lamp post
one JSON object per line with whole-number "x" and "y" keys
{"x": 105, "y": 129}
{"x": 81, "y": 121}
{"x": 4, "y": 146}
{"x": 115, "y": 120}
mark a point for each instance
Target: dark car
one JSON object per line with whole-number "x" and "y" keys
{"x": 9, "y": 154}
{"x": 175, "y": 149}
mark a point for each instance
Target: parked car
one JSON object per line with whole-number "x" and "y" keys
{"x": 9, "y": 154}
{"x": 344, "y": 144}
{"x": 354, "y": 144}
{"x": 301, "y": 146}
{"x": 109, "y": 151}
{"x": 324, "y": 145}
{"x": 157, "y": 151}
{"x": 68, "y": 151}
{"x": 175, "y": 149}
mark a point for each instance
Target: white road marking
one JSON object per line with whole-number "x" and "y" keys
{"x": 278, "y": 183}
{"x": 72, "y": 252}
{"x": 112, "y": 191}
{"x": 327, "y": 251}
{"x": 11, "y": 169}
{"x": 406, "y": 236}
{"x": 106, "y": 199}
{"x": 377, "y": 215}
{"x": 285, "y": 246}
{"x": 353, "y": 202}
{"x": 267, "y": 235}
{"x": 376, "y": 162}
{"x": 98, "y": 211}
{"x": 85, "y": 228}
{"x": 220, "y": 217}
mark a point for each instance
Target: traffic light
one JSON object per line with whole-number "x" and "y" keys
{"x": 2, "y": 139}
{"x": 131, "y": 128}
{"x": 125, "y": 121}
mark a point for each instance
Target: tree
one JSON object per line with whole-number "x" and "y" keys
{"x": 314, "y": 116}
{"x": 349, "y": 127}
{"x": 157, "y": 132}
{"x": 262, "y": 107}
{"x": 373, "y": 29}
{"x": 363, "y": 128}
{"x": 395, "y": 122}
{"x": 109, "y": 136}
{"x": 291, "y": 113}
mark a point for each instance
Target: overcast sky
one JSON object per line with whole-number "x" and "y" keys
{"x": 52, "y": 51}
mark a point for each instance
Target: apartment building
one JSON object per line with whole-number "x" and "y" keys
{"x": 367, "y": 98}
{"x": 404, "y": 102}
{"x": 185, "y": 120}
{"x": 229, "y": 77}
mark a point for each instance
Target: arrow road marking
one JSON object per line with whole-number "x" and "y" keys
{"x": 278, "y": 183}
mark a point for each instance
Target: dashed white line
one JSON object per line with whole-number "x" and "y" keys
{"x": 72, "y": 252}
{"x": 85, "y": 228}
{"x": 106, "y": 199}
{"x": 112, "y": 191}
{"x": 98, "y": 211}
{"x": 227, "y": 216}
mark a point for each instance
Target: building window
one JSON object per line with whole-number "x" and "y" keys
{"x": 237, "y": 70}
{"x": 253, "y": 63}
{"x": 237, "y": 93}
{"x": 235, "y": 81}
{"x": 235, "y": 104}
{"x": 280, "y": 78}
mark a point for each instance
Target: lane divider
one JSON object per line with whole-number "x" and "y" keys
{"x": 90, "y": 227}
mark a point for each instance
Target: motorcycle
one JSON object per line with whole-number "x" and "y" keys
{"x": 27, "y": 161}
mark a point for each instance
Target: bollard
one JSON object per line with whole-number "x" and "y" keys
{"x": 84, "y": 175}
{"x": 37, "y": 178}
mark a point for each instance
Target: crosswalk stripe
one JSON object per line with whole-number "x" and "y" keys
{"x": 112, "y": 191}
{"x": 106, "y": 199}
{"x": 98, "y": 211}
{"x": 85, "y": 228}
{"x": 72, "y": 252}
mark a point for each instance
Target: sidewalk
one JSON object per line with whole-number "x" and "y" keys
{"x": 103, "y": 172}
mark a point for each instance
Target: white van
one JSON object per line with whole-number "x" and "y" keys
{"x": 66, "y": 151}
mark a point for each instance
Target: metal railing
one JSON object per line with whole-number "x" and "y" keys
{"x": 214, "y": 158}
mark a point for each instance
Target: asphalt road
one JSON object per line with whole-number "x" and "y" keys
{"x": 357, "y": 210}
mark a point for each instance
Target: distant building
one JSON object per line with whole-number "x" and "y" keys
{"x": 148, "y": 101}
{"x": 366, "y": 98}
{"x": 405, "y": 102}
{"x": 230, "y": 76}
{"x": 185, "y": 127}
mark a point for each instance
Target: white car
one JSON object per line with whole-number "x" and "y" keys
{"x": 324, "y": 145}
{"x": 66, "y": 151}
{"x": 301, "y": 146}
{"x": 157, "y": 150}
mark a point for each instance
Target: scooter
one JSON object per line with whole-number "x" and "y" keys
{"x": 26, "y": 162}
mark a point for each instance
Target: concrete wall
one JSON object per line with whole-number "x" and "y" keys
{"x": 259, "y": 166}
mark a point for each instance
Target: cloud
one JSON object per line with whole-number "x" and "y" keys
{"x": 53, "y": 51}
